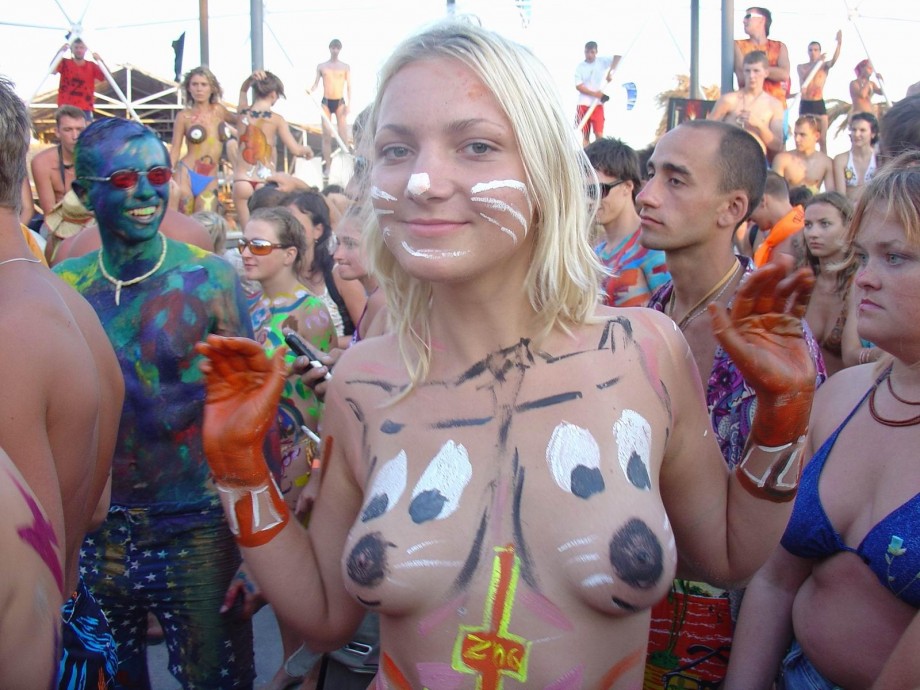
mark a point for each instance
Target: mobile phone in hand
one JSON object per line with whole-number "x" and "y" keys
{"x": 299, "y": 346}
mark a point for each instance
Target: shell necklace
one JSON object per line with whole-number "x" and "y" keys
{"x": 119, "y": 284}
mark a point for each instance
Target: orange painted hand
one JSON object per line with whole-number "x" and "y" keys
{"x": 763, "y": 336}
{"x": 243, "y": 388}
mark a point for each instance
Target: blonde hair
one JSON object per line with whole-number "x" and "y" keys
{"x": 894, "y": 192}
{"x": 564, "y": 276}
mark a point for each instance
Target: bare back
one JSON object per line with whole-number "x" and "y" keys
{"x": 30, "y": 600}
{"x": 62, "y": 399}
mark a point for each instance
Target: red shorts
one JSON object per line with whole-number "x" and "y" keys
{"x": 595, "y": 122}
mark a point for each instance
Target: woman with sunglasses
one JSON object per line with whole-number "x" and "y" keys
{"x": 344, "y": 299}
{"x": 203, "y": 128}
{"x": 275, "y": 250}
{"x": 513, "y": 473}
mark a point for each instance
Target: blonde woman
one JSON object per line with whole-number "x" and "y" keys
{"x": 203, "y": 128}
{"x": 513, "y": 472}
{"x": 831, "y": 605}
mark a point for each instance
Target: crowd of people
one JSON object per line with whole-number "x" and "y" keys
{"x": 396, "y": 411}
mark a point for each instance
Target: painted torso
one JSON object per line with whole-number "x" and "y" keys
{"x": 158, "y": 457}
{"x": 202, "y": 137}
{"x": 512, "y": 512}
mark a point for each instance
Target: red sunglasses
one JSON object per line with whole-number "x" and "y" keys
{"x": 126, "y": 179}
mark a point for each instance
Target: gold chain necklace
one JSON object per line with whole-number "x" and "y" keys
{"x": 119, "y": 284}
{"x": 714, "y": 294}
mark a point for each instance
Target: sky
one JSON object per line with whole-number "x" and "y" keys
{"x": 652, "y": 36}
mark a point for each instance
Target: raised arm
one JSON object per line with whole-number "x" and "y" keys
{"x": 244, "y": 90}
{"x": 830, "y": 63}
{"x": 299, "y": 572}
{"x": 763, "y": 336}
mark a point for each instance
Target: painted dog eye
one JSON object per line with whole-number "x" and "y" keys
{"x": 437, "y": 494}
{"x": 574, "y": 460}
{"x": 387, "y": 489}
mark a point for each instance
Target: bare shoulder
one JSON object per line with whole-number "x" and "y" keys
{"x": 840, "y": 394}
{"x": 43, "y": 159}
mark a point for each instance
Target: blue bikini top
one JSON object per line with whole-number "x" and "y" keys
{"x": 891, "y": 548}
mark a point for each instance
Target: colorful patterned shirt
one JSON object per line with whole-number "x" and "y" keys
{"x": 636, "y": 272}
{"x": 691, "y": 629}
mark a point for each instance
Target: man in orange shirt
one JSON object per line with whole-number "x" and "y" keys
{"x": 757, "y": 21}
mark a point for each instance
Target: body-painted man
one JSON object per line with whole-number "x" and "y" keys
{"x": 164, "y": 546}
{"x": 62, "y": 396}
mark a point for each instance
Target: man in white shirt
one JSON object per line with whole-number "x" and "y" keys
{"x": 590, "y": 76}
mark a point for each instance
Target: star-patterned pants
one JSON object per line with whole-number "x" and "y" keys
{"x": 177, "y": 566}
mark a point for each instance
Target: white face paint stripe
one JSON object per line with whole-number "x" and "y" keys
{"x": 501, "y": 227}
{"x": 419, "y": 183}
{"x": 377, "y": 193}
{"x": 432, "y": 253}
{"x": 422, "y": 563}
{"x": 498, "y": 184}
{"x": 500, "y": 205}
{"x": 581, "y": 541}
{"x": 383, "y": 211}
{"x": 600, "y": 580}
{"x": 422, "y": 545}
{"x": 586, "y": 558}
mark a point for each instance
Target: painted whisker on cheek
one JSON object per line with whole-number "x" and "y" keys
{"x": 377, "y": 193}
{"x": 500, "y": 184}
{"x": 383, "y": 211}
{"x": 503, "y": 206}
{"x": 500, "y": 227}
